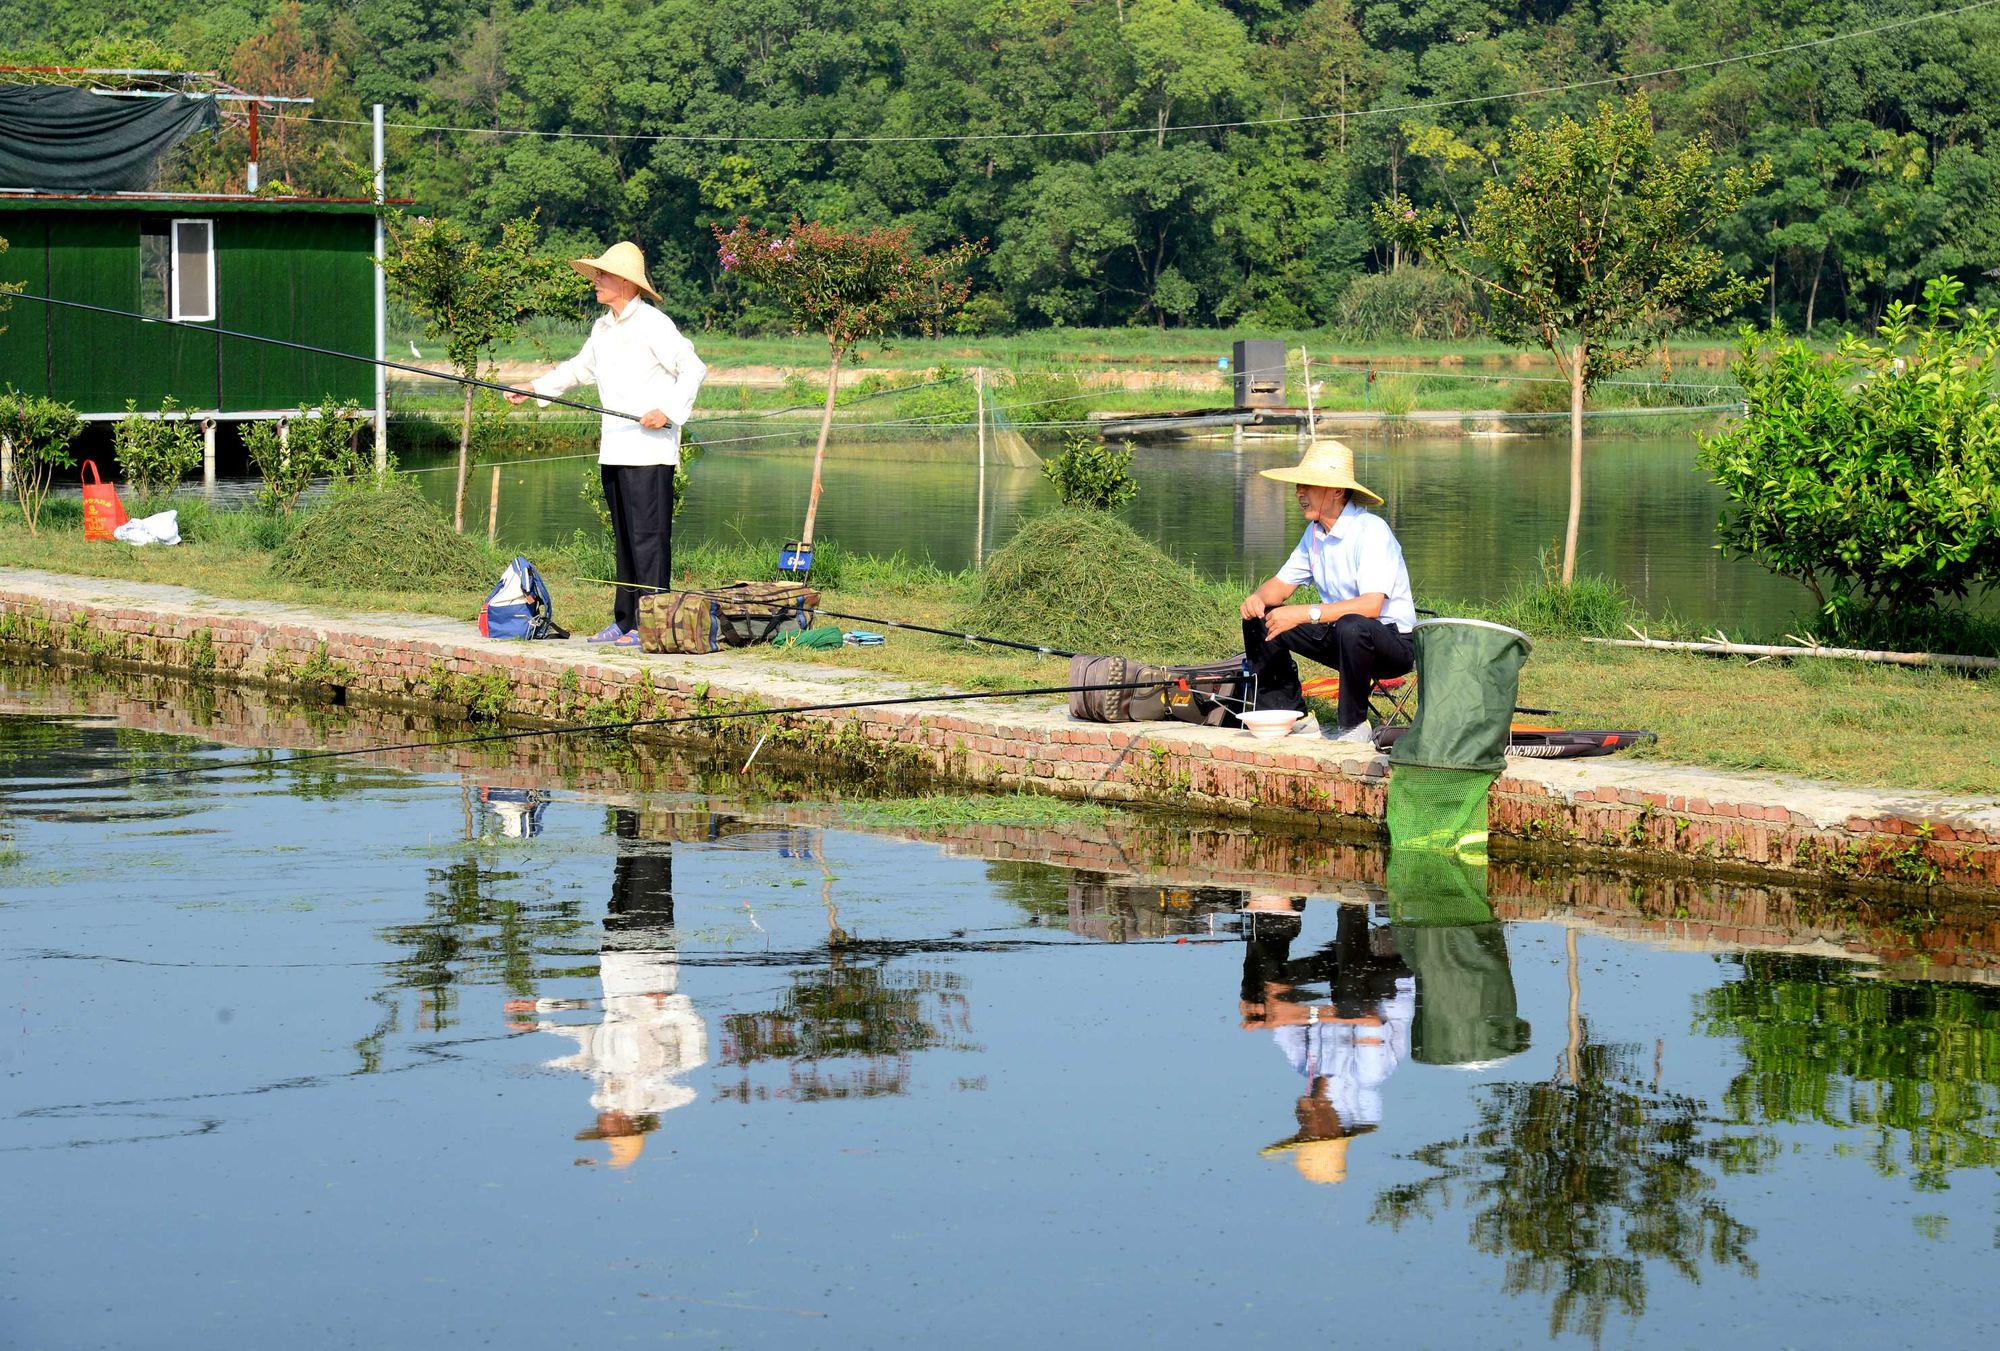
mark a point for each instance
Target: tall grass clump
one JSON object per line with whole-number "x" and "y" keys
{"x": 386, "y": 538}
{"x": 1589, "y": 607}
{"x": 1085, "y": 581}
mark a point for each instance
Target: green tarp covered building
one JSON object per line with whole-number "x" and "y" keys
{"x": 291, "y": 268}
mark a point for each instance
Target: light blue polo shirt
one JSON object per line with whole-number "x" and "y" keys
{"x": 1359, "y": 555}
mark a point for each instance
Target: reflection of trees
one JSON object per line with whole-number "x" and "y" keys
{"x": 1914, "y": 1065}
{"x": 473, "y": 934}
{"x": 1578, "y": 1185}
{"x": 865, "y": 1011}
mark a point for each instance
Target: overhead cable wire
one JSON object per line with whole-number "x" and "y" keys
{"x": 1295, "y": 119}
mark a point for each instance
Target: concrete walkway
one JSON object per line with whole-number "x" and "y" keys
{"x": 1726, "y": 821}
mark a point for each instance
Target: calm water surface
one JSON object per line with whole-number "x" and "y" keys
{"x": 358, "y": 1056}
{"x": 1472, "y": 513}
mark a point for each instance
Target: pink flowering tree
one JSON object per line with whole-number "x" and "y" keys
{"x": 848, "y": 286}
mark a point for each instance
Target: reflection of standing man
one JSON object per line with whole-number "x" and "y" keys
{"x": 1346, "y": 1048}
{"x": 639, "y": 362}
{"x": 649, "y": 1034}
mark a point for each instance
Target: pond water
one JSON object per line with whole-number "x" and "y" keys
{"x": 520, "y": 1049}
{"x": 1472, "y": 513}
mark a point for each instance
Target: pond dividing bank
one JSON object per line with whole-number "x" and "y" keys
{"x": 1707, "y": 820}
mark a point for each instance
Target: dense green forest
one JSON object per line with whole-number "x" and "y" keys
{"x": 1885, "y": 147}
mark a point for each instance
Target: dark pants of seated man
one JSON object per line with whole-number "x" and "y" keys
{"x": 1362, "y": 650}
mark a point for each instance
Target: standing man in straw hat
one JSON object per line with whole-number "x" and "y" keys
{"x": 639, "y": 361}
{"x": 1362, "y": 623}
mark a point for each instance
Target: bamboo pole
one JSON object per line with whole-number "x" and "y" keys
{"x": 493, "y": 508}
{"x": 1720, "y": 646}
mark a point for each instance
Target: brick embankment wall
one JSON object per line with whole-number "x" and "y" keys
{"x": 1718, "y": 822}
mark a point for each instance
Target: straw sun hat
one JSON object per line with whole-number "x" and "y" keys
{"x": 1327, "y": 464}
{"x": 622, "y": 259}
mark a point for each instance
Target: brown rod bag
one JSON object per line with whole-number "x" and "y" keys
{"x": 741, "y": 614}
{"x": 1206, "y": 695}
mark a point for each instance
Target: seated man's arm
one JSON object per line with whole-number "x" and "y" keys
{"x": 1267, "y": 597}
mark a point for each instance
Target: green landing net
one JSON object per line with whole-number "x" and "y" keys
{"x": 1468, "y": 677}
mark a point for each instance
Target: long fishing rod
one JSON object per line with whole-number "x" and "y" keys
{"x": 564, "y": 729}
{"x": 722, "y": 593}
{"x": 330, "y": 352}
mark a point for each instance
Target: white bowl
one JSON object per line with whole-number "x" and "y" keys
{"x": 1270, "y": 723}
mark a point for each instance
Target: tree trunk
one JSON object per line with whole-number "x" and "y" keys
{"x": 1578, "y": 357}
{"x": 464, "y": 464}
{"x": 819, "y": 452}
{"x": 1573, "y": 1053}
{"x": 1812, "y": 292}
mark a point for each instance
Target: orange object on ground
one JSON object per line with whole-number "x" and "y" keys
{"x": 103, "y": 513}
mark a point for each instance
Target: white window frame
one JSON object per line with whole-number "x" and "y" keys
{"x": 174, "y": 310}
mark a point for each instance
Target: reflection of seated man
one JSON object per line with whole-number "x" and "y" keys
{"x": 1347, "y": 1048}
{"x": 1362, "y": 623}
{"x": 650, "y": 1032}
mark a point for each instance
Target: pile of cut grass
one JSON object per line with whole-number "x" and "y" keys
{"x": 1085, "y": 581}
{"x": 387, "y": 538}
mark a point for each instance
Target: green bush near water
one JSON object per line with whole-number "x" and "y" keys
{"x": 1085, "y": 581}
{"x": 384, "y": 538}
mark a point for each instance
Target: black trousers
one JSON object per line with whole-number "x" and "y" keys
{"x": 641, "y": 498}
{"x": 1362, "y": 650}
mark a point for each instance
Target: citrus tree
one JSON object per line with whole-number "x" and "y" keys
{"x": 474, "y": 296}
{"x": 848, "y": 286}
{"x": 1873, "y": 478}
{"x": 38, "y": 433}
{"x": 1588, "y": 240}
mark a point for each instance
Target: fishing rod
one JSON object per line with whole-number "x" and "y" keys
{"x": 330, "y": 352}
{"x": 722, "y": 593}
{"x": 563, "y": 729}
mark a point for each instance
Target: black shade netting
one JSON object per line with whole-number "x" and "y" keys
{"x": 58, "y": 139}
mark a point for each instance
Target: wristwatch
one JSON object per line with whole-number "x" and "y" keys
{"x": 1312, "y": 614}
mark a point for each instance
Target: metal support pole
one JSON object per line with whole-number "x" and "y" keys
{"x": 208, "y": 456}
{"x": 979, "y": 522}
{"x": 6, "y": 466}
{"x": 381, "y": 309}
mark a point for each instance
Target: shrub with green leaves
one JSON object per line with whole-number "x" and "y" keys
{"x": 324, "y": 443}
{"x": 1409, "y": 304}
{"x": 39, "y": 432}
{"x": 1090, "y": 476}
{"x": 1872, "y": 479}
{"x": 156, "y": 451}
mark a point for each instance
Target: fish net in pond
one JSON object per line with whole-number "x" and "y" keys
{"x": 1468, "y": 676}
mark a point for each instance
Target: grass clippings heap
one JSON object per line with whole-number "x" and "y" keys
{"x": 1087, "y": 582}
{"x": 387, "y": 538}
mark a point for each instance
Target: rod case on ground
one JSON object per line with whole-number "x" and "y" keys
{"x": 1547, "y": 743}
{"x": 742, "y": 614}
{"x": 1205, "y": 695}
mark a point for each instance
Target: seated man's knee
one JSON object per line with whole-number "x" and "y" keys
{"x": 1352, "y": 628}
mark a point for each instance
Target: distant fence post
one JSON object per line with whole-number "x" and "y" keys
{"x": 979, "y": 519}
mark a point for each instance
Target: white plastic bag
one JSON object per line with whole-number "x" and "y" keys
{"x": 164, "y": 528}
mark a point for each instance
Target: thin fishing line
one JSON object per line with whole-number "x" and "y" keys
{"x": 1296, "y": 119}
{"x": 330, "y": 352}
{"x": 566, "y": 729}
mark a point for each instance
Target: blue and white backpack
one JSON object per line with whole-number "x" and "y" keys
{"x": 519, "y": 607}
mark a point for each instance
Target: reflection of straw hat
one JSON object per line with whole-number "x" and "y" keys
{"x": 624, "y": 1136}
{"x": 622, "y": 259}
{"x": 1327, "y": 464}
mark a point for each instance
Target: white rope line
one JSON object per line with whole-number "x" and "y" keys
{"x": 728, "y": 138}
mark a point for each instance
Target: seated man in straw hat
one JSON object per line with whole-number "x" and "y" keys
{"x": 640, "y": 363}
{"x": 1362, "y": 623}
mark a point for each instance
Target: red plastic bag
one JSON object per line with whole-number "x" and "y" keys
{"x": 103, "y": 513}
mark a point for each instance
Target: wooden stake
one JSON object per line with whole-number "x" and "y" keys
{"x": 493, "y": 508}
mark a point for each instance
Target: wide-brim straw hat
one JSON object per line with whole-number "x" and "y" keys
{"x": 623, "y": 259}
{"x": 1327, "y": 464}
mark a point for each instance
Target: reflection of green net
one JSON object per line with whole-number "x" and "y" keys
{"x": 1441, "y": 809}
{"x": 1429, "y": 888}
{"x": 1446, "y": 932}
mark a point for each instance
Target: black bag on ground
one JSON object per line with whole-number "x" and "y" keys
{"x": 1209, "y": 695}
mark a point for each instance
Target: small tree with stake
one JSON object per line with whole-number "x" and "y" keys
{"x": 38, "y": 431}
{"x": 848, "y": 286}
{"x": 1591, "y": 247}
{"x": 474, "y": 297}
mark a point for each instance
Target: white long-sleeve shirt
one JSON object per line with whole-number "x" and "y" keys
{"x": 639, "y": 361}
